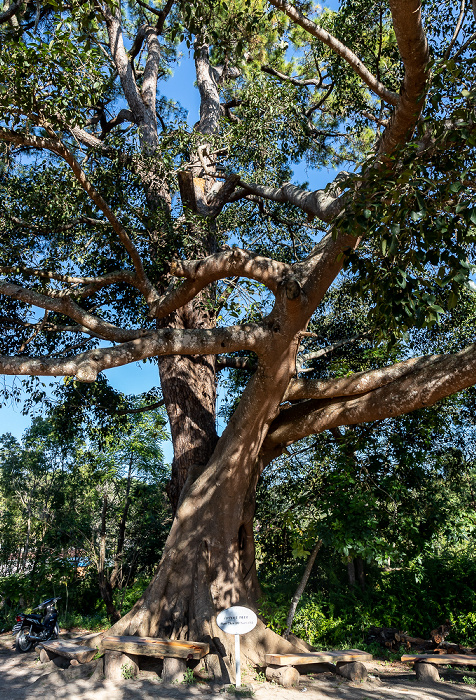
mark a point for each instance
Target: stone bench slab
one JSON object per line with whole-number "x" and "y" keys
{"x": 452, "y": 659}
{"x": 69, "y": 650}
{"x": 151, "y": 646}
{"x": 315, "y": 657}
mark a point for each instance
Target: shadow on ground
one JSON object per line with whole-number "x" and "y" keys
{"x": 23, "y": 677}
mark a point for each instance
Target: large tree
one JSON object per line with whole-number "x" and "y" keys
{"x": 117, "y": 216}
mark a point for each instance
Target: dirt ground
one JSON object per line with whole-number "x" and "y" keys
{"x": 22, "y": 677}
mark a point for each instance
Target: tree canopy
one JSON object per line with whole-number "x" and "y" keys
{"x": 129, "y": 235}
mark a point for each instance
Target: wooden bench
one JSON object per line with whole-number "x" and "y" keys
{"x": 280, "y": 668}
{"x": 123, "y": 651}
{"x": 426, "y": 664}
{"x": 63, "y": 653}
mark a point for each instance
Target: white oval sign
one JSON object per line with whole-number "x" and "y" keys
{"x": 237, "y": 620}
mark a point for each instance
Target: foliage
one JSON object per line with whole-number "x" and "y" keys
{"x": 127, "y": 672}
{"x": 469, "y": 680}
{"x": 414, "y": 599}
{"x": 86, "y": 484}
{"x": 188, "y": 677}
{"x": 51, "y": 491}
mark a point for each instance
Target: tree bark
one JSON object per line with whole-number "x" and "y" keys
{"x": 351, "y": 571}
{"x": 359, "y": 572}
{"x": 208, "y": 562}
{"x": 117, "y": 570}
{"x": 189, "y": 390}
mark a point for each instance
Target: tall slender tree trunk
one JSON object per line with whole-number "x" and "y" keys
{"x": 351, "y": 571}
{"x": 300, "y": 589}
{"x": 104, "y": 583}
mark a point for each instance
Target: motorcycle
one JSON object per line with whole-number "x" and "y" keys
{"x": 30, "y": 629}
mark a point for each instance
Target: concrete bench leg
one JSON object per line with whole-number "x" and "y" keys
{"x": 287, "y": 676}
{"x": 116, "y": 664}
{"x": 353, "y": 670}
{"x": 46, "y": 656}
{"x": 56, "y": 659}
{"x": 174, "y": 669}
{"x": 426, "y": 672}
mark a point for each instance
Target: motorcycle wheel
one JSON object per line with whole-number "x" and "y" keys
{"x": 55, "y": 633}
{"x": 22, "y": 641}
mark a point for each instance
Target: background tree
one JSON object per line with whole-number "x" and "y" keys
{"x": 117, "y": 217}
{"x": 73, "y": 506}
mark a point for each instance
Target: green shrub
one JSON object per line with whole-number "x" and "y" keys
{"x": 415, "y": 599}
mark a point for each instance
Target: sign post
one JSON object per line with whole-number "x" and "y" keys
{"x": 237, "y": 620}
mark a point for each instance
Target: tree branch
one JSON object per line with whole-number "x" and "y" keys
{"x": 437, "y": 377}
{"x": 210, "y": 109}
{"x": 59, "y": 229}
{"x": 245, "y": 363}
{"x": 67, "y": 307}
{"x": 299, "y": 82}
{"x": 459, "y": 24}
{"x": 142, "y": 409}
{"x": 357, "y": 383}
{"x": 323, "y": 352}
{"x": 325, "y": 205}
{"x": 57, "y": 147}
{"x": 227, "y": 263}
{"x": 123, "y": 64}
{"x": 167, "y": 341}
{"x": 108, "y": 278}
{"x": 10, "y": 11}
{"x": 151, "y": 71}
{"x": 413, "y": 48}
{"x": 340, "y": 49}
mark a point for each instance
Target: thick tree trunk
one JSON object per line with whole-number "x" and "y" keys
{"x": 209, "y": 560}
{"x": 189, "y": 389}
{"x": 208, "y": 565}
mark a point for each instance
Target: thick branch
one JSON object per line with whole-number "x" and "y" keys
{"x": 343, "y": 51}
{"x": 358, "y": 383}
{"x": 228, "y": 263}
{"x": 151, "y": 71}
{"x": 123, "y": 64}
{"x": 413, "y": 48}
{"x": 209, "y": 97}
{"x": 438, "y": 377}
{"x": 325, "y": 205}
{"x": 166, "y": 341}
